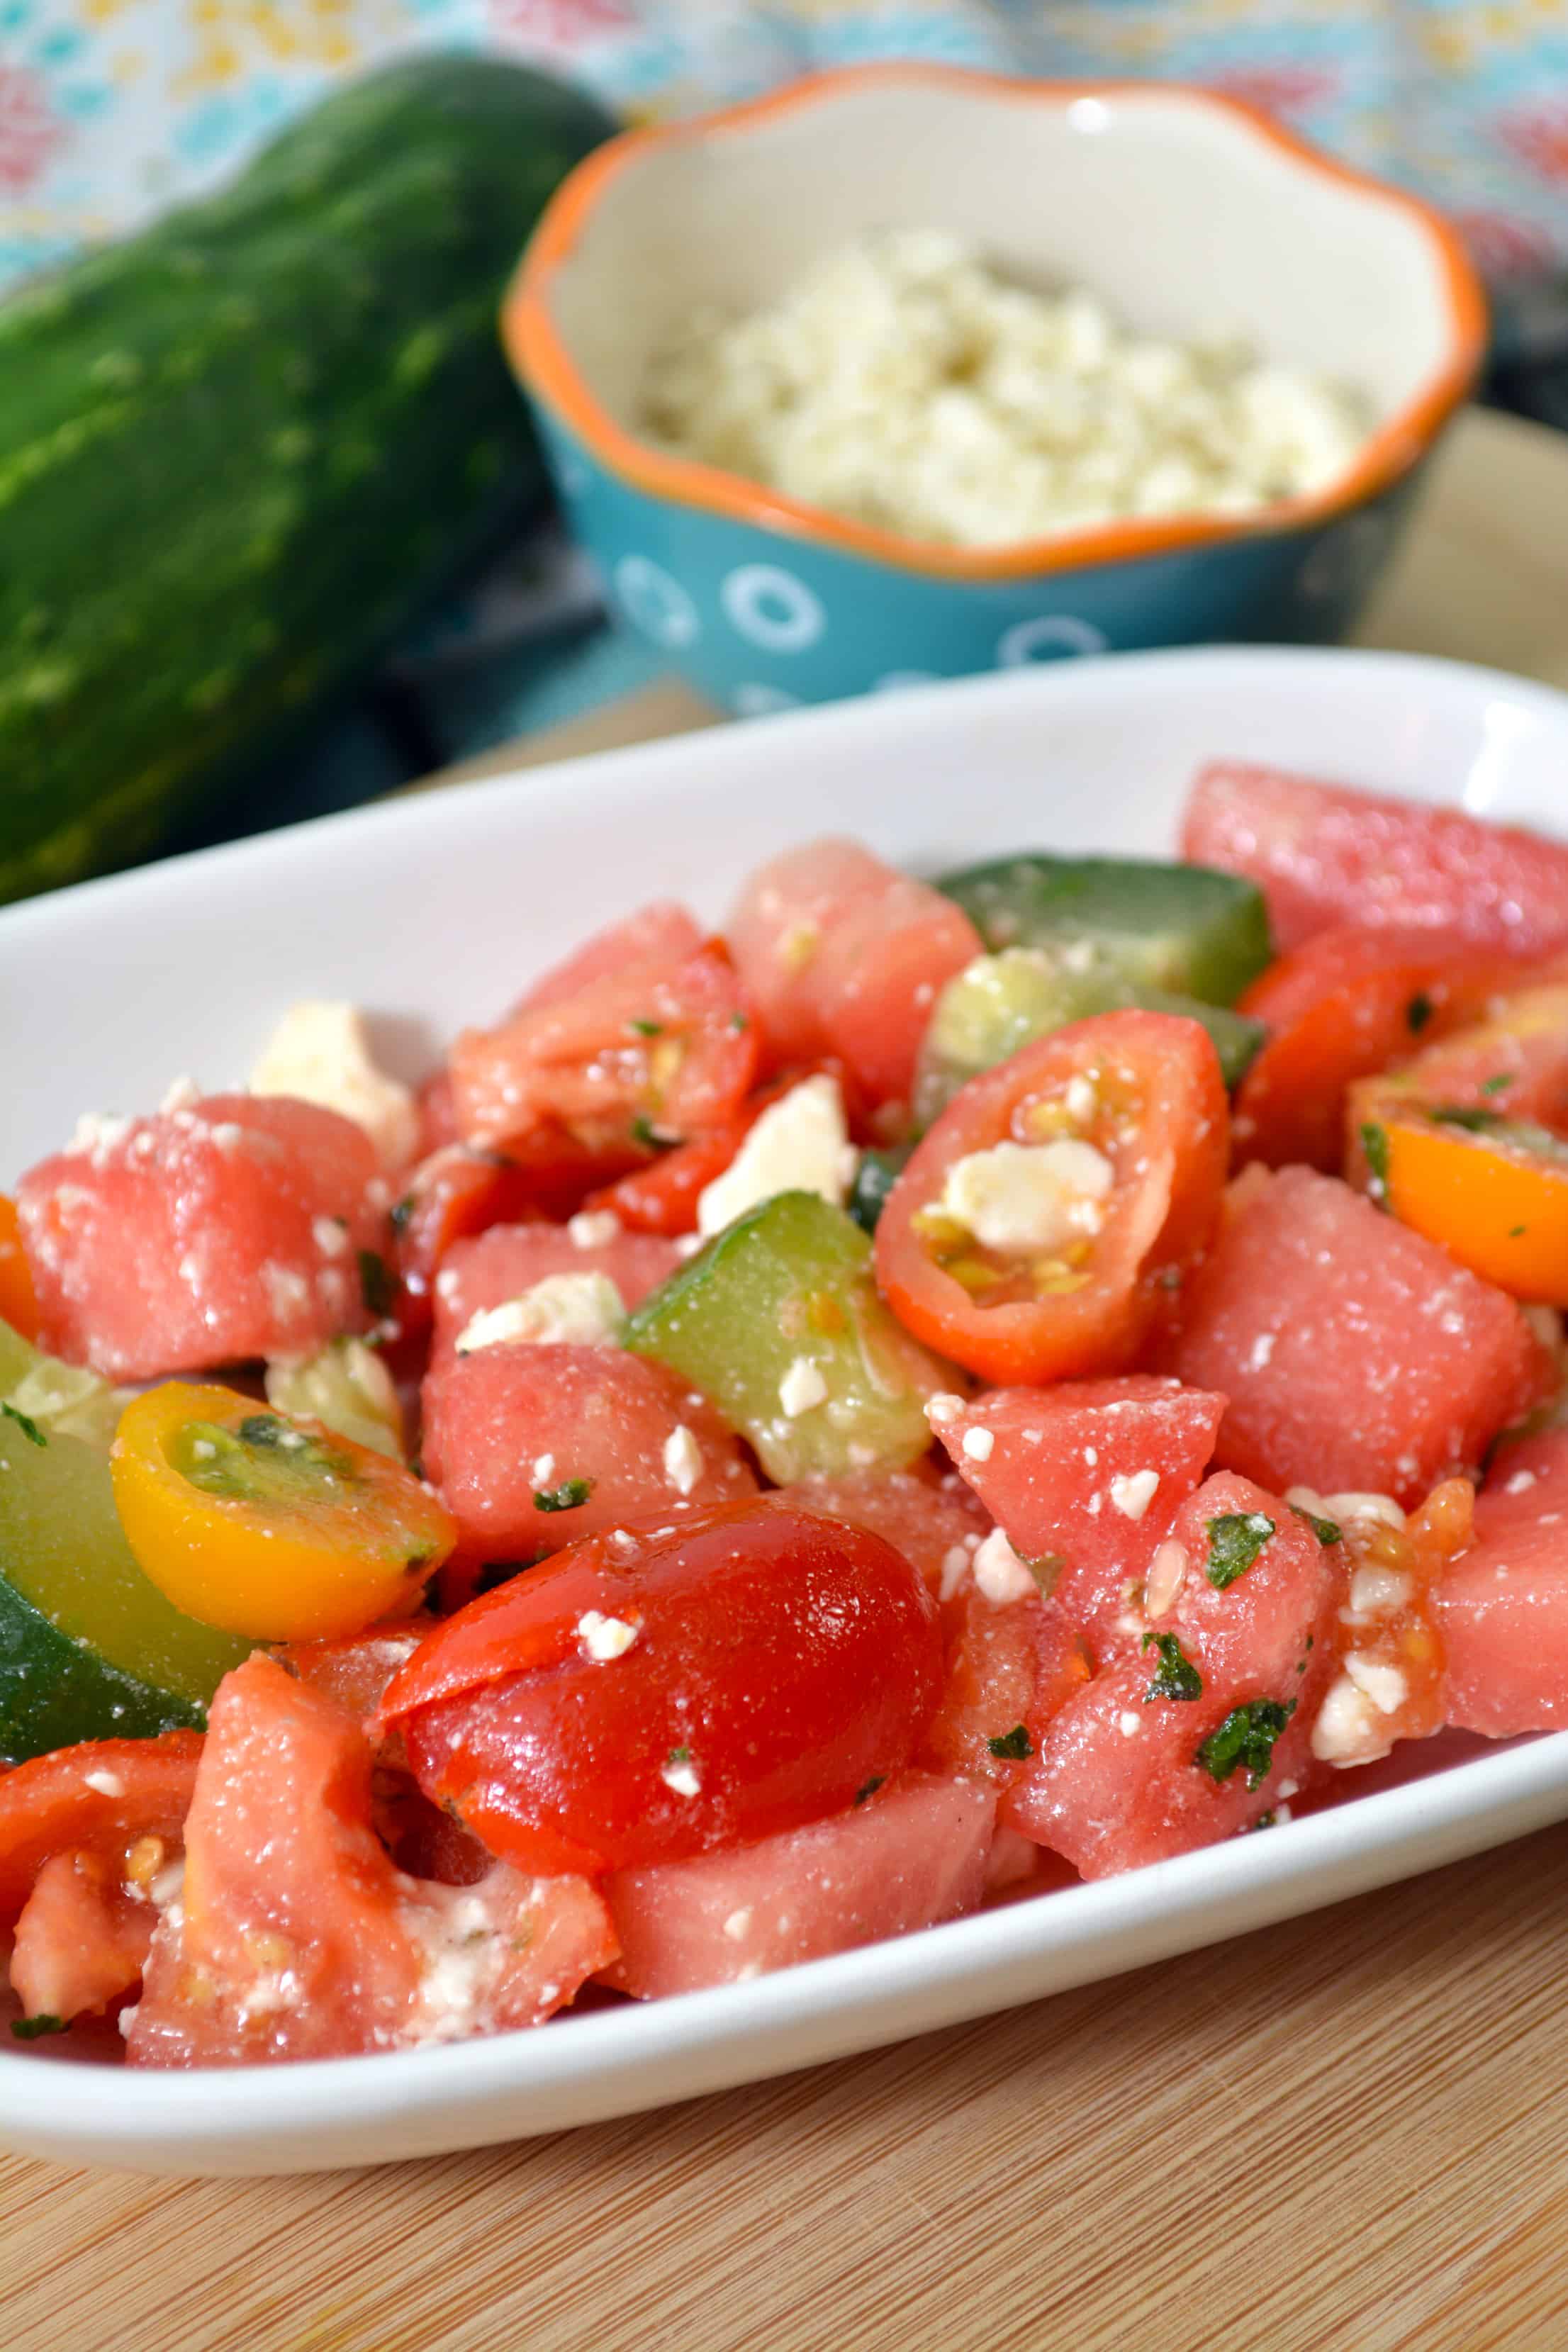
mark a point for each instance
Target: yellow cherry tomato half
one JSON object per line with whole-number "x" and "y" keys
{"x": 1497, "y": 1199}
{"x": 268, "y": 1524}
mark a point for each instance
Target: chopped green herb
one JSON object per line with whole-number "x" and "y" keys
{"x": 871, "y": 1787}
{"x": 1169, "y": 1277}
{"x": 401, "y": 1212}
{"x": 1419, "y": 1012}
{"x": 1499, "y": 1084}
{"x": 680, "y": 1756}
{"x": 1514, "y": 1232}
{"x": 377, "y": 1286}
{"x": 743, "y": 1020}
{"x": 259, "y": 1429}
{"x": 1328, "y": 1531}
{"x": 1013, "y": 1745}
{"x": 1264, "y": 1822}
{"x": 646, "y": 1028}
{"x": 1246, "y": 1738}
{"x": 33, "y": 2028}
{"x": 28, "y": 1427}
{"x": 643, "y": 1133}
{"x": 1235, "y": 1542}
{"x": 1374, "y": 1143}
{"x": 1177, "y": 1677}
{"x": 569, "y": 1496}
{"x": 1465, "y": 1114}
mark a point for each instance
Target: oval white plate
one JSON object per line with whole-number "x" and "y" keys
{"x": 434, "y": 911}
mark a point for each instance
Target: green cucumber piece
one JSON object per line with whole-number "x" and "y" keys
{"x": 90, "y": 1649}
{"x": 875, "y": 1177}
{"x": 243, "y": 449}
{"x": 1183, "y": 927}
{"x": 1000, "y": 1003}
{"x": 790, "y": 1283}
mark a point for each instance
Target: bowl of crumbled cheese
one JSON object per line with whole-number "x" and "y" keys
{"x": 905, "y": 372}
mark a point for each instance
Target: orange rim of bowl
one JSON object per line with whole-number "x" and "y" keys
{"x": 539, "y": 358}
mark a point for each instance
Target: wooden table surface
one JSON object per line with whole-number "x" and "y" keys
{"x": 1341, "y": 2133}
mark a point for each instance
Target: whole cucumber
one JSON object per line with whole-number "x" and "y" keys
{"x": 239, "y": 451}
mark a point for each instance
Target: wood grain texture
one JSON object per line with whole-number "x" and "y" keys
{"x": 1339, "y": 2133}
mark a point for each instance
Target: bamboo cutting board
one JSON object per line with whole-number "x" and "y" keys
{"x": 1340, "y": 2133}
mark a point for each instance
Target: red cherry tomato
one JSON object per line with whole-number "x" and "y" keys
{"x": 1144, "y": 1090}
{"x": 662, "y": 1197}
{"x": 1342, "y": 1007}
{"x": 653, "y": 1694}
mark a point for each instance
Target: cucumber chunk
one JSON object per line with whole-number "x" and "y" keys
{"x": 779, "y": 1322}
{"x": 1183, "y": 927}
{"x": 1000, "y": 1003}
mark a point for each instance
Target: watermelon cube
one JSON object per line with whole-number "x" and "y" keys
{"x": 1091, "y": 1473}
{"x": 1323, "y": 855}
{"x": 1502, "y": 1607}
{"x": 909, "y": 1855}
{"x": 507, "y": 1260}
{"x": 1206, "y": 1725}
{"x": 1356, "y": 1354}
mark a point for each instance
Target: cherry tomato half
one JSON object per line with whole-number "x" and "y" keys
{"x": 1077, "y": 1294}
{"x": 266, "y": 1525}
{"x": 650, "y": 1695}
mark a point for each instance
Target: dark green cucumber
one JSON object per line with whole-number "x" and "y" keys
{"x": 790, "y": 1285}
{"x": 89, "y": 1648}
{"x": 1182, "y": 928}
{"x": 875, "y": 1177}
{"x": 239, "y": 451}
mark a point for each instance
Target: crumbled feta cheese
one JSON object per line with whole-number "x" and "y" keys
{"x": 979, "y": 1443}
{"x": 571, "y": 1311}
{"x": 944, "y": 1407}
{"x": 1129, "y": 1723}
{"x": 330, "y": 1235}
{"x": 604, "y": 1637}
{"x": 545, "y": 1469}
{"x": 592, "y": 1228}
{"x": 97, "y": 1134}
{"x": 955, "y": 1565}
{"x": 1339, "y": 1507}
{"x": 1385, "y": 1684}
{"x": 1262, "y": 1350}
{"x": 802, "y": 1387}
{"x": 682, "y": 1459}
{"x": 1132, "y": 1495}
{"x": 182, "y": 1094}
{"x": 288, "y": 1291}
{"x": 800, "y": 1144}
{"x": 1347, "y": 1731}
{"x": 1081, "y": 1099}
{"x": 737, "y": 1924}
{"x": 319, "y": 1052}
{"x": 681, "y": 1775}
{"x": 1379, "y": 1591}
{"x": 999, "y": 1572}
{"x": 1520, "y": 1482}
{"x": 1029, "y": 1196}
{"x": 107, "y": 1784}
{"x": 904, "y": 381}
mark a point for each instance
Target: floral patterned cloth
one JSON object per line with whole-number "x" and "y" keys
{"x": 110, "y": 109}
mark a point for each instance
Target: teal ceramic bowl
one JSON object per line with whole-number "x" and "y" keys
{"x": 1176, "y": 206}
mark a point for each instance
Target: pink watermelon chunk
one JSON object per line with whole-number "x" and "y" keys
{"x": 1010, "y": 1667}
{"x": 911, "y": 1854}
{"x": 1119, "y": 1780}
{"x": 1502, "y": 1608}
{"x": 1356, "y": 1353}
{"x": 507, "y": 1260}
{"x": 936, "y": 1524}
{"x": 1323, "y": 855}
{"x": 1068, "y": 1472}
{"x": 661, "y": 932}
{"x": 227, "y": 1229}
{"x": 513, "y": 1421}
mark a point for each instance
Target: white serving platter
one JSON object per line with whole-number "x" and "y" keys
{"x": 433, "y": 911}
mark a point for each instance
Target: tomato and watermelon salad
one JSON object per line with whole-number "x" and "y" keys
{"x": 792, "y": 1435}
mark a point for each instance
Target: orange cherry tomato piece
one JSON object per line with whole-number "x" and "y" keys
{"x": 1497, "y": 1201}
{"x": 267, "y": 1524}
{"x": 18, "y": 1301}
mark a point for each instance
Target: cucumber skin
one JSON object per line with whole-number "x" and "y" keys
{"x": 55, "y": 1692}
{"x": 240, "y": 451}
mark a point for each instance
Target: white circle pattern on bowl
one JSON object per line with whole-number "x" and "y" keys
{"x": 654, "y": 600}
{"x": 1049, "y": 636}
{"x": 755, "y": 701}
{"x": 771, "y": 608}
